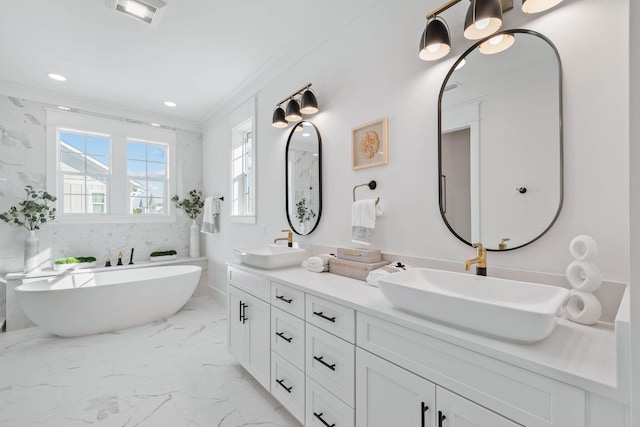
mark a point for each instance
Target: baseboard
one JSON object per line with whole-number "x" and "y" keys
{"x": 217, "y": 295}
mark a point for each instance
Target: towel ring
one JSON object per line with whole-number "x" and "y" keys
{"x": 372, "y": 186}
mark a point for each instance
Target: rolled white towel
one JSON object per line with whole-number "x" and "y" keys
{"x": 379, "y": 273}
{"x": 318, "y": 263}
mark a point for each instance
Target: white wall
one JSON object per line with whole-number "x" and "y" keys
{"x": 371, "y": 69}
{"x": 23, "y": 162}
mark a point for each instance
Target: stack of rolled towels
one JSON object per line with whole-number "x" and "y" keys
{"x": 318, "y": 263}
{"x": 380, "y": 273}
{"x": 583, "y": 275}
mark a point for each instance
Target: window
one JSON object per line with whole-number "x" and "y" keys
{"x": 109, "y": 169}
{"x": 243, "y": 165}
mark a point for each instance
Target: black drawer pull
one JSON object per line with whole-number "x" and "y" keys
{"x": 281, "y": 382}
{"x": 321, "y": 314}
{"x": 281, "y": 335}
{"x": 319, "y": 359}
{"x": 282, "y": 298}
{"x": 244, "y": 312}
{"x": 240, "y": 311}
{"x": 423, "y": 410}
{"x": 319, "y": 416}
{"x": 441, "y": 418}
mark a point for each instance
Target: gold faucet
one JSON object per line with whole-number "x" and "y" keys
{"x": 503, "y": 243}
{"x": 480, "y": 260}
{"x": 289, "y": 238}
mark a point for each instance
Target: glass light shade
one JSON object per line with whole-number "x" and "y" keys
{"x": 435, "y": 42}
{"x": 278, "y": 118}
{"x": 293, "y": 111}
{"x": 497, "y": 44}
{"x": 535, "y": 6}
{"x": 484, "y": 17}
{"x": 309, "y": 103}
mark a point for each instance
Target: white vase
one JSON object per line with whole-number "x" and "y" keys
{"x": 194, "y": 240}
{"x": 31, "y": 252}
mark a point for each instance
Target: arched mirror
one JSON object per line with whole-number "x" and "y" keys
{"x": 303, "y": 161}
{"x": 500, "y": 143}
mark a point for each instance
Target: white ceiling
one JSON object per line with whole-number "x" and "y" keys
{"x": 199, "y": 54}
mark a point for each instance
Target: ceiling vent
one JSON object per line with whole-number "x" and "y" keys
{"x": 144, "y": 10}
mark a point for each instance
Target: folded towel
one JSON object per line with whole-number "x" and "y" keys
{"x": 211, "y": 212}
{"x": 363, "y": 220}
{"x": 379, "y": 273}
{"x": 318, "y": 263}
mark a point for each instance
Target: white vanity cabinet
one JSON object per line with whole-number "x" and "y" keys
{"x": 391, "y": 396}
{"x": 248, "y": 327}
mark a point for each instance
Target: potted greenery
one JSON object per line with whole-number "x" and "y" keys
{"x": 74, "y": 262}
{"x": 37, "y": 209}
{"x": 303, "y": 213}
{"x": 192, "y": 206}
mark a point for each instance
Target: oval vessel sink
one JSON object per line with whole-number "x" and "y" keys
{"x": 507, "y": 309}
{"x": 270, "y": 256}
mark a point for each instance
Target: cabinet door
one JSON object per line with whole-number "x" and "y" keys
{"x": 236, "y": 336}
{"x": 456, "y": 411}
{"x": 388, "y": 395}
{"x": 257, "y": 316}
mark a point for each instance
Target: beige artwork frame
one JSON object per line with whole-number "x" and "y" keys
{"x": 370, "y": 145}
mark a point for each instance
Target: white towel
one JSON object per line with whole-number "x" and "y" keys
{"x": 379, "y": 273}
{"x": 318, "y": 263}
{"x": 211, "y": 212}
{"x": 363, "y": 220}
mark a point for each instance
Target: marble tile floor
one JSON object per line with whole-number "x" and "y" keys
{"x": 172, "y": 373}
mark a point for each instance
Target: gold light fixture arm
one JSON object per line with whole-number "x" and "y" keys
{"x": 302, "y": 89}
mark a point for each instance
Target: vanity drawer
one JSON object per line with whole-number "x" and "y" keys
{"x": 250, "y": 283}
{"x": 287, "y": 337}
{"x": 527, "y": 398}
{"x": 324, "y": 409}
{"x": 332, "y": 317}
{"x": 288, "y": 299}
{"x": 288, "y": 385}
{"x": 331, "y": 362}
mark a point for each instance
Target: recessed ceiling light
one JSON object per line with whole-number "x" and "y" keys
{"x": 155, "y": 125}
{"x": 57, "y": 77}
{"x": 144, "y": 10}
{"x": 170, "y": 104}
{"x": 64, "y": 108}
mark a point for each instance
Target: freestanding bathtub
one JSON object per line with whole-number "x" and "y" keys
{"x": 78, "y": 304}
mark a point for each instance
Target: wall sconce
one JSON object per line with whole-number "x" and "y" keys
{"x": 294, "y": 110}
{"x": 483, "y": 18}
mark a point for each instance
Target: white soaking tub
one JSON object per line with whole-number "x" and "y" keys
{"x": 78, "y": 304}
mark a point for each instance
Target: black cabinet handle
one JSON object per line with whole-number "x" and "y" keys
{"x": 281, "y": 335}
{"x": 441, "y": 418}
{"x": 244, "y": 312}
{"x": 282, "y": 298}
{"x": 281, "y": 382}
{"x": 319, "y": 416}
{"x": 319, "y": 359}
{"x": 423, "y": 410}
{"x": 240, "y": 311}
{"x": 321, "y": 314}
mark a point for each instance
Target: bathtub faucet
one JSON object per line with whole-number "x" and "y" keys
{"x": 131, "y": 258}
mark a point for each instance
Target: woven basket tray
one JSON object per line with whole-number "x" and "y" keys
{"x": 360, "y": 255}
{"x": 353, "y": 269}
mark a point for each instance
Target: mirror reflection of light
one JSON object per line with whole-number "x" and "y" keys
{"x": 461, "y": 64}
{"x": 306, "y": 134}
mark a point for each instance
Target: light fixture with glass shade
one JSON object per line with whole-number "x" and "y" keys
{"x": 436, "y": 40}
{"x": 497, "y": 43}
{"x": 535, "y": 6}
{"x": 484, "y": 17}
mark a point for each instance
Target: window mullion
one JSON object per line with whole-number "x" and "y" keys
{"x": 118, "y": 200}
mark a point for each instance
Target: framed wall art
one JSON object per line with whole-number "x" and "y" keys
{"x": 369, "y": 145}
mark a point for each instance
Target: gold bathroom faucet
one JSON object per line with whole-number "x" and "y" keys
{"x": 480, "y": 260}
{"x": 289, "y": 238}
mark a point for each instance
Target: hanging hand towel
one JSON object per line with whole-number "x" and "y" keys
{"x": 211, "y": 211}
{"x": 363, "y": 220}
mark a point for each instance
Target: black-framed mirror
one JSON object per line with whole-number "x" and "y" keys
{"x": 500, "y": 143}
{"x": 303, "y": 175}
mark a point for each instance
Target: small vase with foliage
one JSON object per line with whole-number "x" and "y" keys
{"x": 37, "y": 209}
{"x": 303, "y": 213}
{"x": 192, "y": 206}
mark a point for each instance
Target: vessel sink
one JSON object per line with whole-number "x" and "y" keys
{"x": 270, "y": 256}
{"x": 506, "y": 309}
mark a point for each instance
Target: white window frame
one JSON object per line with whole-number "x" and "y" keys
{"x": 243, "y": 121}
{"x": 117, "y": 197}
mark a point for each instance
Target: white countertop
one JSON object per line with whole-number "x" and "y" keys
{"x": 582, "y": 356}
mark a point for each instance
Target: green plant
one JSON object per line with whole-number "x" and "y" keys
{"x": 75, "y": 260}
{"x": 303, "y": 212}
{"x": 32, "y": 212}
{"x": 163, "y": 253}
{"x": 192, "y": 206}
